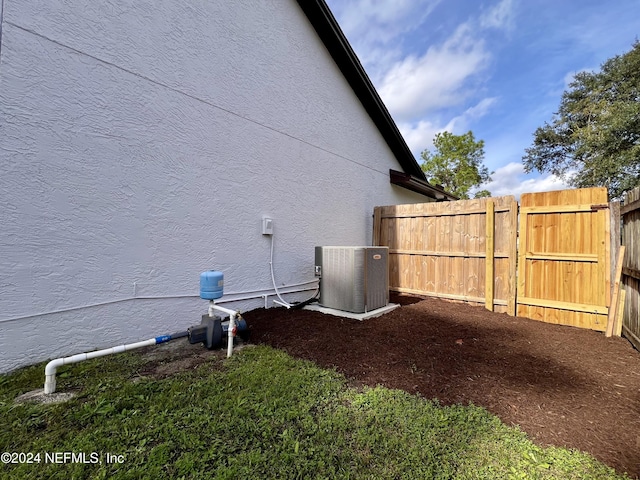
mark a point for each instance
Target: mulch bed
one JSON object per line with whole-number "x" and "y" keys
{"x": 564, "y": 386}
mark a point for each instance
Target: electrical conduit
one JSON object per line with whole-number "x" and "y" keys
{"x": 248, "y": 295}
{"x": 281, "y": 300}
{"x": 273, "y": 280}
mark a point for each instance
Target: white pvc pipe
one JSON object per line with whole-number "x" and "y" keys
{"x": 160, "y": 297}
{"x": 52, "y": 366}
{"x": 273, "y": 280}
{"x": 262, "y": 290}
{"x": 232, "y": 323}
{"x": 265, "y": 296}
{"x": 213, "y": 306}
{"x": 230, "y": 334}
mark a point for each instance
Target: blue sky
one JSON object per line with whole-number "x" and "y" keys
{"x": 497, "y": 67}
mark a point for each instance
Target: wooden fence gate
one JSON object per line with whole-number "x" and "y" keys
{"x": 630, "y": 214}
{"x": 563, "y": 258}
{"x": 470, "y": 251}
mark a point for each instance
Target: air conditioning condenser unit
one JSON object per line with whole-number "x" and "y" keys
{"x": 353, "y": 279}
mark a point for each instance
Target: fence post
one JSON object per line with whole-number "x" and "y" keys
{"x": 488, "y": 279}
{"x": 377, "y": 220}
{"x": 513, "y": 259}
{"x": 614, "y": 208}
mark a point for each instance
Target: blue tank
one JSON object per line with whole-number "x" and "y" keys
{"x": 211, "y": 283}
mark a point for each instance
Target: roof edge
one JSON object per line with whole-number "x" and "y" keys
{"x": 325, "y": 24}
{"x": 419, "y": 185}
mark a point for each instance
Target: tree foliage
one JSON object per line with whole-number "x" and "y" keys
{"x": 457, "y": 164}
{"x": 482, "y": 194}
{"x": 594, "y": 138}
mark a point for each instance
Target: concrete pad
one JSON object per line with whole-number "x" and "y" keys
{"x": 38, "y": 396}
{"x": 356, "y": 316}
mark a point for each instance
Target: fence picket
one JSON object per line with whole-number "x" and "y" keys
{"x": 453, "y": 257}
{"x": 630, "y": 216}
{"x": 550, "y": 263}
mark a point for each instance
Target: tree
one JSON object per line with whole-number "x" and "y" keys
{"x": 594, "y": 138}
{"x": 482, "y": 194}
{"x": 457, "y": 164}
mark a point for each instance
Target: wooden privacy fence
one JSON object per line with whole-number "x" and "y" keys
{"x": 474, "y": 250}
{"x": 630, "y": 215}
{"x": 463, "y": 250}
{"x": 563, "y": 258}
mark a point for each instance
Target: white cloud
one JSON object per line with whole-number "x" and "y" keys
{"x": 417, "y": 85}
{"x": 381, "y": 22}
{"x": 462, "y": 121}
{"x": 500, "y": 16}
{"x": 376, "y": 29}
{"x": 419, "y": 136}
{"x": 414, "y": 85}
{"x": 512, "y": 180}
{"x": 481, "y": 109}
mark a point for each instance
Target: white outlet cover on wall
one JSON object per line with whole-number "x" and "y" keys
{"x": 267, "y": 226}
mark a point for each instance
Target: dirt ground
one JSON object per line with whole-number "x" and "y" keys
{"x": 564, "y": 386}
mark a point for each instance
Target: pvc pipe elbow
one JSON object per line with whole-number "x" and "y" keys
{"x": 50, "y": 375}
{"x": 52, "y": 366}
{"x": 228, "y": 311}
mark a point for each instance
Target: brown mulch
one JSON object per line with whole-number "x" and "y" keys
{"x": 564, "y": 386}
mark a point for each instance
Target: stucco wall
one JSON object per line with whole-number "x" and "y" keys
{"x": 142, "y": 142}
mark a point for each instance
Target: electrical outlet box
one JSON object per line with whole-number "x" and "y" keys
{"x": 267, "y": 226}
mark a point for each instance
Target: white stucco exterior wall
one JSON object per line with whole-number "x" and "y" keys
{"x": 142, "y": 142}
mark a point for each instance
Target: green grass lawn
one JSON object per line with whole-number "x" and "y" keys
{"x": 260, "y": 414}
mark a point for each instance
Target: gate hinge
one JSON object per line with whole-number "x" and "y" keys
{"x": 601, "y": 206}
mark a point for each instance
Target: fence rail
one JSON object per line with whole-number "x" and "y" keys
{"x": 553, "y": 263}
{"x": 461, "y": 250}
{"x": 563, "y": 265}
